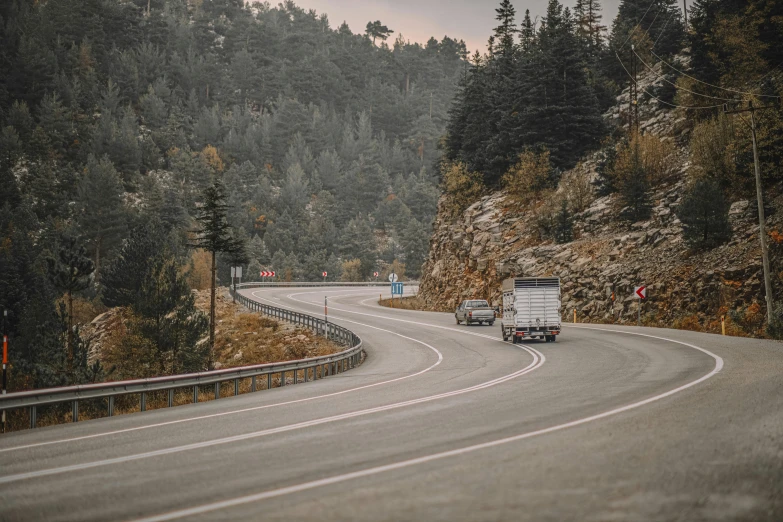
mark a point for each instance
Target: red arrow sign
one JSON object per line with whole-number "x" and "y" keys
{"x": 641, "y": 292}
{"x": 375, "y": 274}
{"x": 265, "y": 273}
{"x": 325, "y": 274}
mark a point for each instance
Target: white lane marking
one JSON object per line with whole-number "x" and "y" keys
{"x": 386, "y": 317}
{"x": 538, "y": 360}
{"x": 208, "y": 508}
{"x": 244, "y": 410}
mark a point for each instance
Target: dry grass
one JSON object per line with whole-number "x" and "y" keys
{"x": 408, "y": 303}
{"x": 242, "y": 339}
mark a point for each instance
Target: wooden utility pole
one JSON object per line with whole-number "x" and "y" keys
{"x": 685, "y": 11}
{"x": 633, "y": 107}
{"x": 760, "y": 200}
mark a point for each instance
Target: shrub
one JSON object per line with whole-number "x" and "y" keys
{"x": 714, "y": 151}
{"x": 530, "y": 176}
{"x": 461, "y": 186}
{"x": 656, "y": 157}
{"x": 704, "y": 213}
{"x": 352, "y": 270}
{"x": 633, "y": 182}
{"x": 579, "y": 190}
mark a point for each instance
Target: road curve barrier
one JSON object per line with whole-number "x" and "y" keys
{"x": 311, "y": 369}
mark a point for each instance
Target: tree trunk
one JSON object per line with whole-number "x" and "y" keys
{"x": 213, "y": 282}
{"x": 98, "y": 260}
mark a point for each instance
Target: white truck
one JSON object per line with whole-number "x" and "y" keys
{"x": 531, "y": 308}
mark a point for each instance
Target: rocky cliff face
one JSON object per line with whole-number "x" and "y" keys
{"x": 493, "y": 239}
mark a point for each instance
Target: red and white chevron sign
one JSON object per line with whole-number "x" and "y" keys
{"x": 641, "y": 292}
{"x": 325, "y": 274}
{"x": 267, "y": 274}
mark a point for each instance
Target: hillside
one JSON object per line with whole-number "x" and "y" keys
{"x": 497, "y": 237}
{"x": 118, "y": 118}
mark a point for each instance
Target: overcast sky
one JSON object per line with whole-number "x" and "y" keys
{"x": 417, "y": 20}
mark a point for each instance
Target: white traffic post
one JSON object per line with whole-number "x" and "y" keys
{"x": 326, "y": 317}
{"x": 5, "y": 362}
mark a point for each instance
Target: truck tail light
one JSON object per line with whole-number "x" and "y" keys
{"x": 470, "y": 314}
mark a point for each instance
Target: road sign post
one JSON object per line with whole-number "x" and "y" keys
{"x": 325, "y": 273}
{"x": 613, "y": 298}
{"x": 236, "y": 273}
{"x": 641, "y": 293}
{"x": 326, "y": 317}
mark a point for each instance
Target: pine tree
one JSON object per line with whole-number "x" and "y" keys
{"x": 564, "y": 224}
{"x": 214, "y": 236}
{"x": 643, "y": 22}
{"x": 557, "y": 107}
{"x": 102, "y": 217}
{"x": 70, "y": 272}
{"x": 170, "y": 319}
{"x": 377, "y": 30}
{"x": 124, "y": 276}
{"x": 527, "y": 33}
{"x": 506, "y": 31}
{"x": 704, "y": 213}
{"x": 358, "y": 242}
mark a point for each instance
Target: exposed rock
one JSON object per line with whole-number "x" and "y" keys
{"x": 498, "y": 239}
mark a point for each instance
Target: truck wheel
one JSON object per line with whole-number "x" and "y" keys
{"x": 457, "y": 318}
{"x": 491, "y": 323}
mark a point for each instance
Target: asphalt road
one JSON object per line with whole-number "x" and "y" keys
{"x": 441, "y": 422}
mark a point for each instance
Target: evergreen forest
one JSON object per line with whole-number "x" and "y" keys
{"x": 116, "y": 119}
{"x": 142, "y": 139}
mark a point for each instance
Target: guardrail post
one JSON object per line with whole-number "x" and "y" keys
{"x": 195, "y": 393}
{"x": 217, "y": 390}
{"x": 306, "y": 370}
{"x": 282, "y": 379}
{"x": 171, "y": 398}
{"x": 268, "y": 381}
{"x": 296, "y": 376}
{"x": 236, "y": 387}
{"x": 111, "y": 406}
{"x": 33, "y": 417}
{"x": 253, "y": 384}
{"x": 143, "y": 401}
{"x": 75, "y": 411}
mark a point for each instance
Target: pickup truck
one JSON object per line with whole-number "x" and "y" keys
{"x": 475, "y": 311}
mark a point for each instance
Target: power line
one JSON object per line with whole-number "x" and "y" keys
{"x": 637, "y": 25}
{"x": 652, "y": 23}
{"x": 663, "y": 30}
{"x": 681, "y": 88}
{"x": 766, "y": 75}
{"x": 686, "y": 107}
{"x": 711, "y": 85}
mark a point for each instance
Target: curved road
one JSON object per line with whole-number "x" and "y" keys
{"x": 441, "y": 422}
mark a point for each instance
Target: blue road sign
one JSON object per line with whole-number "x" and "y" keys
{"x": 396, "y": 289}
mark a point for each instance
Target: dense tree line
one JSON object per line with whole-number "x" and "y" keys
{"x": 117, "y": 116}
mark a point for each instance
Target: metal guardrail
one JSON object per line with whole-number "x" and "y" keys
{"x": 328, "y": 365}
{"x": 283, "y": 284}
